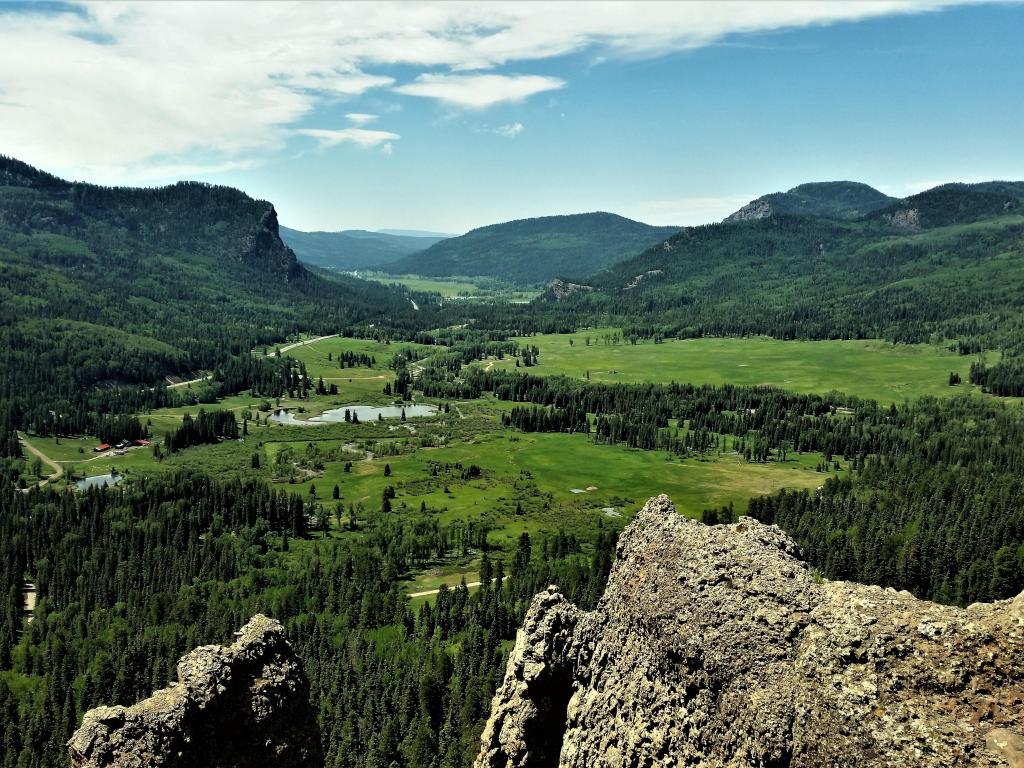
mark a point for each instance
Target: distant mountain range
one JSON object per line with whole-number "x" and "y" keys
{"x": 536, "y": 250}
{"x": 832, "y": 260}
{"x": 354, "y": 249}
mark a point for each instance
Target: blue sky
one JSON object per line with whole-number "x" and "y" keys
{"x": 451, "y": 116}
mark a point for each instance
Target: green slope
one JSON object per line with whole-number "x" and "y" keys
{"x": 836, "y": 199}
{"x": 536, "y": 250}
{"x": 957, "y": 273}
{"x": 353, "y": 249}
{"x": 105, "y": 288}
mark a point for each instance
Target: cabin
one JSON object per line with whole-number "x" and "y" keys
{"x": 101, "y": 448}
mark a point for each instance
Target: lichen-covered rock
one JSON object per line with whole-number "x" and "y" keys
{"x": 237, "y": 706}
{"x": 717, "y": 646}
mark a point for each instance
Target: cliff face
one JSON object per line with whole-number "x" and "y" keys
{"x": 239, "y": 706}
{"x": 716, "y": 645}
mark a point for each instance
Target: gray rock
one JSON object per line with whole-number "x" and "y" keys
{"x": 717, "y": 646}
{"x": 242, "y": 705}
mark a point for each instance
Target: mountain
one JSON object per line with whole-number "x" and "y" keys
{"x": 103, "y": 288}
{"x": 536, "y": 250}
{"x": 837, "y": 199}
{"x": 354, "y": 248}
{"x": 947, "y": 263}
{"x": 715, "y": 645}
{"x": 414, "y": 233}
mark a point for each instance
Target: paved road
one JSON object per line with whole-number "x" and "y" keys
{"x": 58, "y": 470}
{"x": 307, "y": 341}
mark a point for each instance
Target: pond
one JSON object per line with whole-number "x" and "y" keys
{"x": 98, "y": 480}
{"x": 364, "y": 412}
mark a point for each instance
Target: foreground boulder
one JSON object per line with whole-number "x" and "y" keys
{"x": 717, "y": 646}
{"x": 242, "y": 705}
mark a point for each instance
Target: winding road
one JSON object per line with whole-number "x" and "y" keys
{"x": 58, "y": 470}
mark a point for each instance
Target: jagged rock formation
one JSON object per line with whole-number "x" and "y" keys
{"x": 717, "y": 646}
{"x": 264, "y": 247}
{"x": 237, "y": 706}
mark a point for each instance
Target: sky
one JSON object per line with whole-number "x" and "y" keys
{"x": 449, "y": 116}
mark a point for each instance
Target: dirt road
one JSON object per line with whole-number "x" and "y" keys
{"x": 58, "y": 470}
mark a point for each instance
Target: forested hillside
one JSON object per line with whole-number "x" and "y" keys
{"x": 837, "y": 199}
{"x": 106, "y": 290}
{"x": 354, "y": 248}
{"x": 947, "y": 264}
{"x": 536, "y": 250}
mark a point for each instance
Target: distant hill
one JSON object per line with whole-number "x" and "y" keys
{"x": 414, "y": 233}
{"x": 945, "y": 263}
{"x": 836, "y": 199}
{"x": 354, "y": 248}
{"x": 105, "y": 290}
{"x": 537, "y": 250}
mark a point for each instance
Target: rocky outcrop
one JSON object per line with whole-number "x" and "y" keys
{"x": 717, "y": 646}
{"x": 264, "y": 248}
{"x": 755, "y": 209}
{"x": 239, "y": 706}
{"x": 561, "y": 289}
{"x": 908, "y": 219}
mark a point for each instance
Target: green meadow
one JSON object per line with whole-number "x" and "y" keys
{"x": 867, "y": 368}
{"x": 458, "y": 467}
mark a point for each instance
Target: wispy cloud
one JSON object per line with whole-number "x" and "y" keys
{"x": 479, "y": 91}
{"x": 129, "y": 85}
{"x": 361, "y": 136}
{"x": 360, "y": 118}
{"x": 510, "y": 131}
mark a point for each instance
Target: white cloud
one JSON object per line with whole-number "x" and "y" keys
{"x": 125, "y": 87}
{"x": 510, "y": 131}
{"x": 361, "y": 136}
{"x": 388, "y": 149}
{"x": 479, "y": 91}
{"x": 360, "y": 118}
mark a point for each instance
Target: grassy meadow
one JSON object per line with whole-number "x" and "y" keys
{"x": 869, "y": 368}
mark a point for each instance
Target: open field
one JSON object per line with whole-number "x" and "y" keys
{"x": 459, "y": 468}
{"x": 870, "y": 368}
{"x": 456, "y": 287}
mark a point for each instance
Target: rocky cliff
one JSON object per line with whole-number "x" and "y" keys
{"x": 717, "y": 646}
{"x": 240, "y": 706}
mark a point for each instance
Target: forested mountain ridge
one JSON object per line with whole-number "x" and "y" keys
{"x": 944, "y": 264}
{"x": 354, "y": 248}
{"x": 103, "y": 288}
{"x": 837, "y": 199}
{"x": 537, "y": 250}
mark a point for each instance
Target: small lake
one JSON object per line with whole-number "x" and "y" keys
{"x": 98, "y": 480}
{"x": 364, "y": 412}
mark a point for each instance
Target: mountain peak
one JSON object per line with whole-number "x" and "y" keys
{"x": 834, "y": 199}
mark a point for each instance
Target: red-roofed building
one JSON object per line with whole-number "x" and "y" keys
{"x": 142, "y": 443}
{"x": 101, "y": 448}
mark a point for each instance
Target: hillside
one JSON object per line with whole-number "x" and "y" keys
{"x": 947, "y": 263}
{"x": 120, "y": 287}
{"x": 835, "y": 199}
{"x": 354, "y": 248}
{"x": 531, "y": 251}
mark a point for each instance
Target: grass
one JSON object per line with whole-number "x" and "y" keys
{"x": 525, "y": 481}
{"x": 869, "y": 369}
{"x": 458, "y": 287}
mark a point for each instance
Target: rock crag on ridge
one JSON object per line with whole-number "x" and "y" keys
{"x": 234, "y": 706}
{"x": 717, "y": 646}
